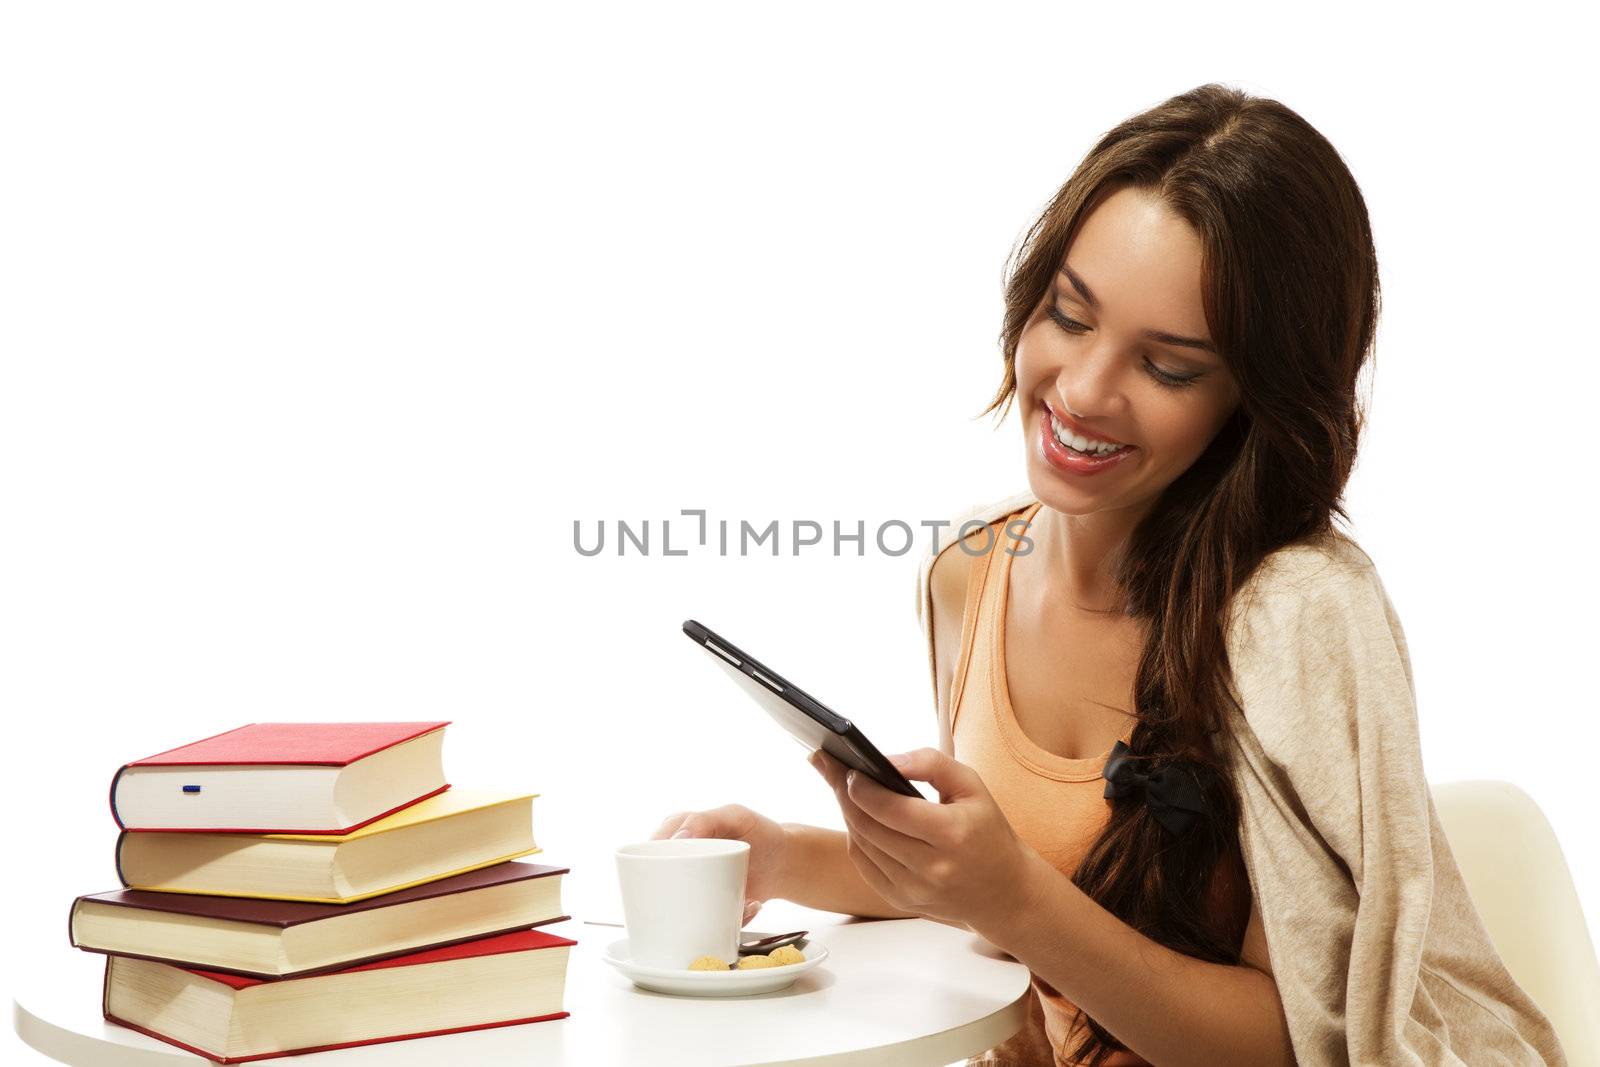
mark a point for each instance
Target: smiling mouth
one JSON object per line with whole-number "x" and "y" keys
{"x": 1079, "y": 443}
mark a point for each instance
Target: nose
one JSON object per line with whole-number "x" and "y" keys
{"x": 1070, "y": 410}
{"x": 1088, "y": 386}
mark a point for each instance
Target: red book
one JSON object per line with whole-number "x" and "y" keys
{"x": 494, "y": 981}
{"x": 283, "y": 778}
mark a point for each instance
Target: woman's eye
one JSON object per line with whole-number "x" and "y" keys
{"x": 1073, "y": 326}
{"x": 1168, "y": 378}
{"x": 1070, "y": 325}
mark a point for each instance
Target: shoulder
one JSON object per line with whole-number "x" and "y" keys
{"x": 942, "y": 576}
{"x": 1313, "y": 564}
{"x": 1317, "y": 655}
{"x": 1310, "y": 590}
{"x": 943, "y": 572}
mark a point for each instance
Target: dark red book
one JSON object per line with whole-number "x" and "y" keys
{"x": 494, "y": 981}
{"x": 283, "y": 778}
{"x": 276, "y": 939}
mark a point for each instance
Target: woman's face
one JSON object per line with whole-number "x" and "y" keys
{"x": 1117, "y": 352}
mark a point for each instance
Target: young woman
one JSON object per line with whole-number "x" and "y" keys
{"x": 1178, "y": 767}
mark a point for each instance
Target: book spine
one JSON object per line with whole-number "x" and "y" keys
{"x": 264, "y": 829}
{"x": 115, "y": 778}
{"x": 117, "y": 858}
{"x": 105, "y": 991}
{"x": 335, "y": 832}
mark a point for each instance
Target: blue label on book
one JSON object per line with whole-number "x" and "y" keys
{"x": 191, "y": 789}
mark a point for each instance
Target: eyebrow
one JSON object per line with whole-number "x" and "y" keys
{"x": 1154, "y": 335}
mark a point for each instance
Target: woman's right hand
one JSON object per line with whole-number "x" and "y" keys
{"x": 769, "y": 846}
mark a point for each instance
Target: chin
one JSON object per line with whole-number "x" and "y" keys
{"x": 1053, "y": 492}
{"x": 1049, "y": 491}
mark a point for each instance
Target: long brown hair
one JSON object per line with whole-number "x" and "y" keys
{"x": 1289, "y": 279}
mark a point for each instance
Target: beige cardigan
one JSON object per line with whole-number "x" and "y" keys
{"x": 1379, "y": 956}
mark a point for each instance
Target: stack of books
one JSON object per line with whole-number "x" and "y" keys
{"x": 295, "y": 887}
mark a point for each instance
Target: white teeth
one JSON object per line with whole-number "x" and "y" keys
{"x": 1081, "y": 443}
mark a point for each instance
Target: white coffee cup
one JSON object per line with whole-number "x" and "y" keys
{"x": 683, "y": 898}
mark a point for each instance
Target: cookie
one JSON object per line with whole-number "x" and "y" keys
{"x": 750, "y": 963}
{"x": 785, "y": 955}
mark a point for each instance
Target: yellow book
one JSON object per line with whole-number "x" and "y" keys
{"x": 456, "y": 831}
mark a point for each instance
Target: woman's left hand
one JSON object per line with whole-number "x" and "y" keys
{"x": 957, "y": 860}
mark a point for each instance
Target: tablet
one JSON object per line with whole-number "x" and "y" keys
{"x": 807, "y": 719}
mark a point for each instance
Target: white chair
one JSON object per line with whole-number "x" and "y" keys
{"x": 1523, "y": 890}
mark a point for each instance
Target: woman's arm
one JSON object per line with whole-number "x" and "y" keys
{"x": 961, "y": 861}
{"x": 1172, "y": 1009}
{"x": 818, "y": 874}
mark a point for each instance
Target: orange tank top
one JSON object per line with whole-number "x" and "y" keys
{"x": 1055, "y": 804}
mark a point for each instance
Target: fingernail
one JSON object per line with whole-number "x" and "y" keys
{"x": 850, "y": 778}
{"x": 681, "y": 833}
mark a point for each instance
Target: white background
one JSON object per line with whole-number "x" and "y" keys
{"x": 324, "y": 322}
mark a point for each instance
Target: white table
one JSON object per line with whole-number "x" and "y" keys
{"x": 893, "y": 993}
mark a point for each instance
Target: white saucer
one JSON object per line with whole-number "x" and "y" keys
{"x": 687, "y": 983}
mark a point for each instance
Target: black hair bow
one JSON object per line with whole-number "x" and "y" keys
{"x": 1172, "y": 793}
